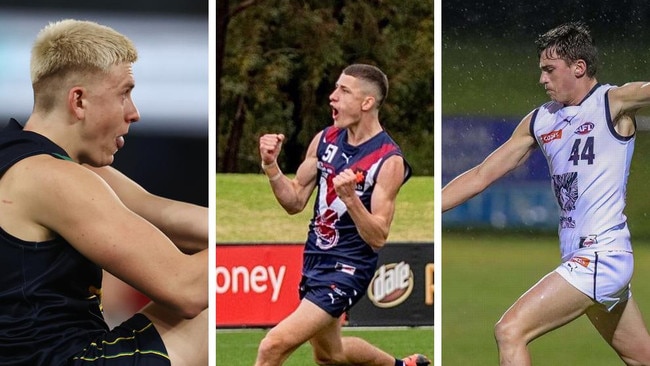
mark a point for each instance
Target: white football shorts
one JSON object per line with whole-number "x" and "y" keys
{"x": 603, "y": 275}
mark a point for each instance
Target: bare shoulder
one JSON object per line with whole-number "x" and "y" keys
{"x": 44, "y": 174}
{"x": 392, "y": 172}
{"x": 57, "y": 191}
{"x": 42, "y": 193}
{"x": 629, "y": 97}
{"x": 522, "y": 135}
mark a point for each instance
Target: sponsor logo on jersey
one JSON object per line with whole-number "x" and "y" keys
{"x": 584, "y": 128}
{"x": 583, "y": 261}
{"x": 345, "y": 268}
{"x": 391, "y": 285}
{"x": 553, "y": 135}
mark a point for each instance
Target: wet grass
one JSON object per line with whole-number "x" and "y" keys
{"x": 484, "y": 273}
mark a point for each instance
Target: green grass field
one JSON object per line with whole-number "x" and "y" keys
{"x": 484, "y": 273}
{"x": 248, "y": 212}
{"x": 239, "y": 347}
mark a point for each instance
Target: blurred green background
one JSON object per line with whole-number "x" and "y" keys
{"x": 278, "y": 61}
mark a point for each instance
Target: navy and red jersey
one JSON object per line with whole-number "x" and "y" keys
{"x": 49, "y": 292}
{"x": 334, "y": 245}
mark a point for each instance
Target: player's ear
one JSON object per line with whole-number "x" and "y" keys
{"x": 76, "y": 101}
{"x": 368, "y": 103}
{"x": 579, "y": 68}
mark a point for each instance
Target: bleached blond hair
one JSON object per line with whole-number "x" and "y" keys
{"x": 77, "y": 47}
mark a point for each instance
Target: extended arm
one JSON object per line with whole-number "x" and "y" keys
{"x": 184, "y": 223}
{"x": 624, "y": 101}
{"x": 504, "y": 159}
{"x": 292, "y": 194}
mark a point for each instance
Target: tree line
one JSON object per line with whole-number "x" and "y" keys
{"x": 278, "y": 60}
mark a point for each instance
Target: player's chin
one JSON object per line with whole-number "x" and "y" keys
{"x": 106, "y": 159}
{"x": 340, "y": 123}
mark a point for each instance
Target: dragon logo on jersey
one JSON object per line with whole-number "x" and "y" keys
{"x": 327, "y": 236}
{"x": 360, "y": 179}
{"x": 565, "y": 187}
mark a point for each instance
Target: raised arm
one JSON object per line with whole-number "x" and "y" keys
{"x": 504, "y": 159}
{"x": 292, "y": 194}
{"x": 76, "y": 204}
{"x": 624, "y": 101}
{"x": 374, "y": 225}
{"x": 184, "y": 223}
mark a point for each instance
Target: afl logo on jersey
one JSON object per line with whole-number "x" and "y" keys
{"x": 584, "y": 128}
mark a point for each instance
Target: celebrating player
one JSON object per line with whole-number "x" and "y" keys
{"x": 66, "y": 215}
{"x": 586, "y": 133}
{"x": 358, "y": 170}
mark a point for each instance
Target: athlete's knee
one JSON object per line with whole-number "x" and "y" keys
{"x": 272, "y": 347}
{"x": 639, "y": 358}
{"x": 324, "y": 359}
{"x": 507, "y": 333}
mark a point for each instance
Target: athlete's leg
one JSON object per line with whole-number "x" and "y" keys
{"x": 332, "y": 349}
{"x": 549, "y": 304}
{"x": 290, "y": 333}
{"x": 186, "y": 340}
{"x": 624, "y": 329}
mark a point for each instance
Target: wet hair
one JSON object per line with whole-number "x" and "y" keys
{"x": 74, "y": 47}
{"x": 373, "y": 75}
{"x": 571, "y": 42}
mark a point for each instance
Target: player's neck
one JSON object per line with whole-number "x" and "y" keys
{"x": 583, "y": 91}
{"x": 362, "y": 132}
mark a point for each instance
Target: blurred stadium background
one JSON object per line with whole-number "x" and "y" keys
{"x": 167, "y": 151}
{"x": 500, "y": 243}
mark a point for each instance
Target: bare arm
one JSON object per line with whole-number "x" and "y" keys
{"x": 373, "y": 226}
{"x": 292, "y": 194}
{"x": 504, "y": 159}
{"x": 629, "y": 97}
{"x": 79, "y": 206}
{"x": 624, "y": 102}
{"x": 184, "y": 223}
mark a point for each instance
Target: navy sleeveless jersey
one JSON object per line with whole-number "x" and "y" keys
{"x": 49, "y": 293}
{"x": 334, "y": 245}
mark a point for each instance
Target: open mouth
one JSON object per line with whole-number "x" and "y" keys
{"x": 335, "y": 113}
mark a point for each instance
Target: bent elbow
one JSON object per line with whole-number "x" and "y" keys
{"x": 293, "y": 209}
{"x": 189, "y": 309}
{"x": 191, "y": 312}
{"x": 377, "y": 244}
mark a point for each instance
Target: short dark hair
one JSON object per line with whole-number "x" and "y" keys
{"x": 571, "y": 42}
{"x": 370, "y": 74}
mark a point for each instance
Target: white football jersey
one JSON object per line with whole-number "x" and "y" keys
{"x": 589, "y": 163}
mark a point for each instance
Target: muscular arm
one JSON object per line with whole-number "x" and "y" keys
{"x": 504, "y": 159}
{"x": 76, "y": 204}
{"x": 374, "y": 225}
{"x": 293, "y": 194}
{"x": 624, "y": 101}
{"x": 184, "y": 223}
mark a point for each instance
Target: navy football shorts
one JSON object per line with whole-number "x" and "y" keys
{"x": 334, "y": 298}
{"x": 135, "y": 342}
